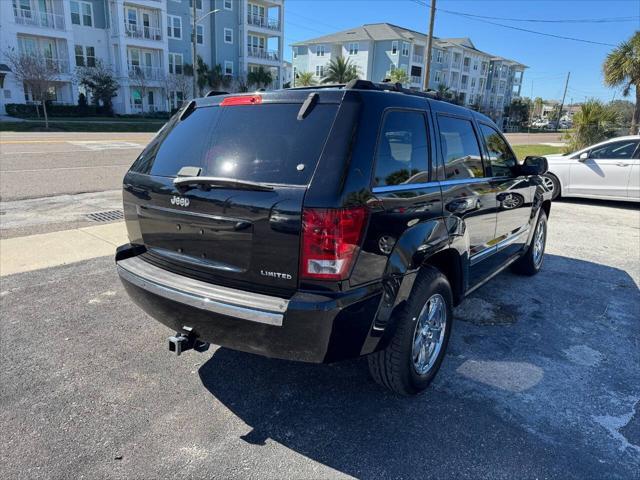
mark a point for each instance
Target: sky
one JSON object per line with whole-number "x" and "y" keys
{"x": 549, "y": 59}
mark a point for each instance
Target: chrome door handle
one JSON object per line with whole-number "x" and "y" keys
{"x": 622, "y": 164}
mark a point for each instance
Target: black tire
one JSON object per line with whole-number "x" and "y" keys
{"x": 393, "y": 367}
{"x": 556, "y": 191}
{"x": 527, "y": 264}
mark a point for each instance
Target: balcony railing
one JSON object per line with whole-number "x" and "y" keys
{"x": 263, "y": 22}
{"x": 417, "y": 58}
{"x": 142, "y": 32}
{"x": 455, "y": 65}
{"x": 465, "y": 68}
{"x": 415, "y": 79}
{"x": 146, "y": 73}
{"x": 37, "y": 18}
{"x": 257, "y": 52}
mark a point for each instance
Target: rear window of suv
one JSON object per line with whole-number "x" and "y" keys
{"x": 261, "y": 143}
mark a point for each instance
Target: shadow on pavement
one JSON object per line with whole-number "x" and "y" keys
{"x": 463, "y": 426}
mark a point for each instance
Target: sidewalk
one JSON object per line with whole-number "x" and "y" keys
{"x": 24, "y": 254}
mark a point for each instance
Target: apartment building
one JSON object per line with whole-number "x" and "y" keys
{"x": 479, "y": 79}
{"x": 143, "y": 41}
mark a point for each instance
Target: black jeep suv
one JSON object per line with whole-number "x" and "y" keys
{"x": 319, "y": 224}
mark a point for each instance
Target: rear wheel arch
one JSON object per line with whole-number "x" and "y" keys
{"x": 449, "y": 263}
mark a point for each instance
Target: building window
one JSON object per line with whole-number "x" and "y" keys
{"x": 439, "y": 54}
{"x": 175, "y": 63}
{"x": 319, "y": 70}
{"x": 174, "y": 27}
{"x": 353, "y": 48}
{"x": 228, "y": 35}
{"x": 294, "y": 52}
{"x": 176, "y": 100}
{"x": 320, "y": 51}
{"x": 199, "y": 34}
{"x": 228, "y": 67}
{"x": 82, "y": 13}
{"x": 405, "y": 49}
{"x": 394, "y": 47}
{"x": 198, "y": 4}
{"x": 85, "y": 56}
{"x": 79, "y": 56}
{"x": 473, "y": 83}
{"x": 475, "y": 65}
{"x": 437, "y": 76}
{"x": 228, "y": 4}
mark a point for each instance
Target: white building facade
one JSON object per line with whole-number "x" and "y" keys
{"x": 476, "y": 78}
{"x": 144, "y": 42}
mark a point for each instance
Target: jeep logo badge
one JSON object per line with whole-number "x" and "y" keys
{"x": 180, "y": 201}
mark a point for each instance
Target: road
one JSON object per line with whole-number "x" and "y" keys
{"x": 36, "y": 165}
{"x": 542, "y": 380}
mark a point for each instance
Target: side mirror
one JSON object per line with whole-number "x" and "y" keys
{"x": 583, "y": 156}
{"x": 534, "y": 166}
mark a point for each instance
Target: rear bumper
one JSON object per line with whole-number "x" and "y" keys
{"x": 307, "y": 327}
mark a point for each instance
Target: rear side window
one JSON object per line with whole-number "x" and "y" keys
{"x": 615, "y": 150}
{"x": 460, "y": 148}
{"x": 401, "y": 156}
{"x": 500, "y": 155}
{"x": 261, "y": 143}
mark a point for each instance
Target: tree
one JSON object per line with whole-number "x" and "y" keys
{"x": 218, "y": 80}
{"x": 203, "y": 74}
{"x": 340, "y": 70}
{"x": 398, "y": 75}
{"x": 622, "y": 68}
{"x": 624, "y": 109}
{"x": 593, "y": 123}
{"x": 260, "y": 78}
{"x": 538, "y": 103}
{"x": 37, "y": 73}
{"x": 443, "y": 91}
{"x": 305, "y": 79}
{"x": 138, "y": 78}
{"x": 181, "y": 84}
{"x": 100, "y": 82}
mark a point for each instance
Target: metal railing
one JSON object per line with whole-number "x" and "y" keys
{"x": 418, "y": 58}
{"x": 263, "y": 22}
{"x": 37, "y": 18}
{"x": 143, "y": 32}
{"x": 415, "y": 79}
{"x": 257, "y": 52}
{"x": 147, "y": 73}
{"x": 455, "y": 65}
{"x": 465, "y": 68}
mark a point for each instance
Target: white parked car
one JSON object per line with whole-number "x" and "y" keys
{"x": 609, "y": 170}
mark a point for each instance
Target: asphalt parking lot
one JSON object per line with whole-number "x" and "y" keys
{"x": 542, "y": 380}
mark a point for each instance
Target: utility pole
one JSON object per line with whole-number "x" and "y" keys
{"x": 564, "y": 95}
{"x": 193, "y": 47}
{"x": 427, "y": 72}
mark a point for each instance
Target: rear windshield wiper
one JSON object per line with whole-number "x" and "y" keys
{"x": 185, "y": 183}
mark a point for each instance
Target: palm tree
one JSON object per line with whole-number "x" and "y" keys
{"x": 444, "y": 91}
{"x": 398, "y": 75}
{"x": 259, "y": 78}
{"x": 305, "y": 79}
{"x": 537, "y": 106}
{"x": 340, "y": 70}
{"x": 622, "y": 68}
{"x": 593, "y": 123}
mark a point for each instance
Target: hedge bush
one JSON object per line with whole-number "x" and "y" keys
{"x": 23, "y": 110}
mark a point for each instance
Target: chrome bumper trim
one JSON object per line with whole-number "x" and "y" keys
{"x": 239, "y": 304}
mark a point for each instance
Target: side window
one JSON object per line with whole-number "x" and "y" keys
{"x": 616, "y": 150}
{"x": 501, "y": 157}
{"x": 402, "y": 156}
{"x": 460, "y": 148}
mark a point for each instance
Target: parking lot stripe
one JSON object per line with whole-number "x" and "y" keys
{"x": 34, "y": 252}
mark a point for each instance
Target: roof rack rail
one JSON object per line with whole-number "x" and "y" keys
{"x": 317, "y": 87}
{"x": 214, "y": 93}
{"x": 358, "y": 84}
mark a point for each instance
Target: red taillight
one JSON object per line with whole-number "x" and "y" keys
{"x": 241, "y": 100}
{"x": 330, "y": 241}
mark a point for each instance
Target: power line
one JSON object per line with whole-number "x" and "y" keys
{"x": 562, "y": 37}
